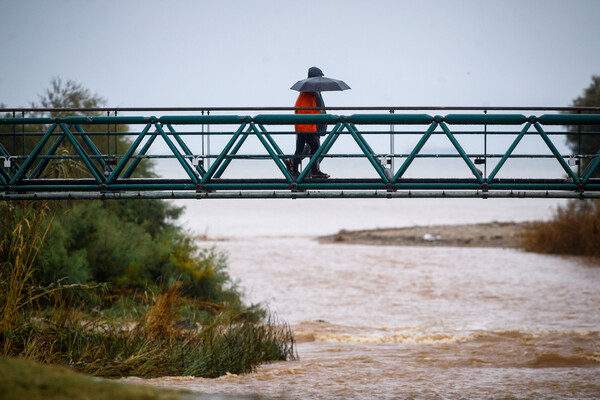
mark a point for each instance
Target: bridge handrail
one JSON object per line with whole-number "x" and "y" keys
{"x": 342, "y": 108}
{"x": 291, "y": 119}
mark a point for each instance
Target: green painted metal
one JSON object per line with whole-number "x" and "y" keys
{"x": 37, "y": 172}
{"x": 32, "y": 157}
{"x": 489, "y": 119}
{"x": 4, "y": 154}
{"x": 415, "y": 151}
{"x": 321, "y": 151}
{"x": 186, "y": 166}
{"x": 205, "y": 119}
{"x": 25, "y": 121}
{"x": 270, "y": 139}
{"x": 591, "y": 168}
{"x": 24, "y": 180}
{"x": 93, "y": 148}
{"x": 277, "y": 119}
{"x": 232, "y": 153}
{"x": 87, "y": 160}
{"x": 509, "y": 151}
{"x": 136, "y": 161}
{"x": 185, "y": 148}
{"x": 390, "y": 119}
{"x": 103, "y": 120}
{"x": 364, "y": 146}
{"x": 272, "y": 152}
{"x": 560, "y": 159}
{"x": 121, "y": 165}
{"x": 461, "y": 151}
{"x": 569, "y": 119}
{"x": 213, "y": 168}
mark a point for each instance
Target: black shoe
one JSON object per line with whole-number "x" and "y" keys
{"x": 319, "y": 175}
{"x": 289, "y": 164}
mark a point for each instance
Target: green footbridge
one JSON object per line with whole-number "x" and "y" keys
{"x": 379, "y": 152}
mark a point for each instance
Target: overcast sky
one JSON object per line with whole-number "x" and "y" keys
{"x": 248, "y": 53}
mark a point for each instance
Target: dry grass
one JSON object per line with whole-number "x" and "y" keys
{"x": 160, "y": 318}
{"x": 22, "y": 235}
{"x": 574, "y": 230}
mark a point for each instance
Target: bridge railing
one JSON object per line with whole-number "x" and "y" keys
{"x": 398, "y": 153}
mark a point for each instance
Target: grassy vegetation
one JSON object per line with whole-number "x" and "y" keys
{"x": 574, "y": 230}
{"x": 151, "y": 347}
{"x": 195, "y": 326}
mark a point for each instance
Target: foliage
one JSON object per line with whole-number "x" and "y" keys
{"x": 574, "y": 230}
{"x": 69, "y": 94}
{"x": 159, "y": 343}
{"x": 132, "y": 250}
{"x": 586, "y": 144}
{"x": 20, "y": 140}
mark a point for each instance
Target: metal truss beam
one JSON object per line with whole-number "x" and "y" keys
{"x": 21, "y": 175}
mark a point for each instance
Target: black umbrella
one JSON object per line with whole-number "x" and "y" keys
{"x": 319, "y": 84}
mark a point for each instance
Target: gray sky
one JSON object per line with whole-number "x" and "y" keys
{"x": 248, "y": 53}
{"x": 155, "y": 53}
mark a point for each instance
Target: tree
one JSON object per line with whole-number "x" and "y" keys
{"x": 60, "y": 95}
{"x": 128, "y": 243}
{"x": 580, "y": 142}
{"x": 21, "y": 140}
{"x": 70, "y": 94}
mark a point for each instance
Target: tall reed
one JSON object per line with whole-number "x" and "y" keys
{"x": 156, "y": 346}
{"x": 22, "y": 233}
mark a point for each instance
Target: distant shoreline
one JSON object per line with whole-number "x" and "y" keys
{"x": 492, "y": 234}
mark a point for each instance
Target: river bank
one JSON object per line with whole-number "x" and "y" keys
{"x": 492, "y": 234}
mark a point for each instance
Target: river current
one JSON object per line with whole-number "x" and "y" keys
{"x": 377, "y": 322}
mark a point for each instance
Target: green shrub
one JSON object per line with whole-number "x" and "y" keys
{"x": 97, "y": 241}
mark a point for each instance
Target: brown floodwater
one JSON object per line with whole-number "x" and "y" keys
{"x": 375, "y": 322}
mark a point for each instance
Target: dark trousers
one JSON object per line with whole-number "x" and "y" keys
{"x": 313, "y": 142}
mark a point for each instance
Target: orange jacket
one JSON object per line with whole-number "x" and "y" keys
{"x": 306, "y": 99}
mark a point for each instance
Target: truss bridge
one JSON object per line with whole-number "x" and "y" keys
{"x": 378, "y": 152}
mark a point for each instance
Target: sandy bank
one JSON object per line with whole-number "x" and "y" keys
{"x": 493, "y": 234}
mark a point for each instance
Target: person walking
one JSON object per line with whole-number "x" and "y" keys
{"x": 308, "y": 134}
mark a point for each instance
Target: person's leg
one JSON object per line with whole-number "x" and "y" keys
{"x": 293, "y": 163}
{"x": 314, "y": 143}
{"x": 301, "y": 140}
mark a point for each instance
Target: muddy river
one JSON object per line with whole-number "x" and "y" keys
{"x": 377, "y": 322}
